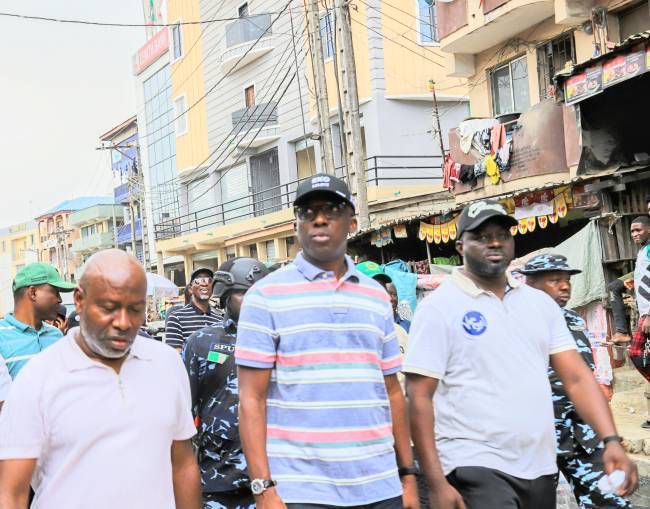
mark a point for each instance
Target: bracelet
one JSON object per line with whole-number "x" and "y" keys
{"x": 412, "y": 470}
{"x": 612, "y": 438}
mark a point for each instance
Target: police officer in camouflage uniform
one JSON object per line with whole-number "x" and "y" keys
{"x": 210, "y": 362}
{"x": 579, "y": 450}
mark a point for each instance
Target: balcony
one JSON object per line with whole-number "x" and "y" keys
{"x": 388, "y": 176}
{"x": 95, "y": 214}
{"x": 240, "y": 37}
{"x": 124, "y": 232}
{"x": 258, "y": 124}
{"x": 468, "y": 27}
{"x": 93, "y": 243}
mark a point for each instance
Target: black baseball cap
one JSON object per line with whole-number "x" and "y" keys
{"x": 199, "y": 270}
{"x": 322, "y": 183}
{"x": 476, "y": 214}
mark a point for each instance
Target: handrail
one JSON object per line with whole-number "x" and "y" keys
{"x": 281, "y": 196}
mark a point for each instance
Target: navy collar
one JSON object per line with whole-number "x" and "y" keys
{"x": 311, "y": 272}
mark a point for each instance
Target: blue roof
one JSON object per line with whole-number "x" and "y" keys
{"x": 82, "y": 202}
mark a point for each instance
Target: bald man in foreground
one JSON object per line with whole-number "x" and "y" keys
{"x": 103, "y": 417}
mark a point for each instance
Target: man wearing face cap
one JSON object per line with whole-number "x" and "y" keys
{"x": 195, "y": 315}
{"x": 482, "y": 343}
{"x": 579, "y": 450}
{"x": 102, "y": 418}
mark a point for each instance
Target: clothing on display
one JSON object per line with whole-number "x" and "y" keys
{"x": 400, "y": 231}
{"x": 468, "y": 129}
{"x": 404, "y": 280}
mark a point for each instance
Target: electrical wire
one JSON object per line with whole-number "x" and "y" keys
{"x": 111, "y": 24}
{"x": 220, "y": 80}
{"x": 395, "y": 42}
{"x": 236, "y": 128}
{"x": 427, "y": 48}
{"x": 234, "y": 131}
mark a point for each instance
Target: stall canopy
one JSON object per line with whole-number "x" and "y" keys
{"x": 158, "y": 286}
{"x": 583, "y": 251}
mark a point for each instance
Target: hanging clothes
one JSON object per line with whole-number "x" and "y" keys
{"x": 492, "y": 170}
{"x": 399, "y": 231}
{"x": 497, "y": 138}
{"x": 450, "y": 172}
{"x": 468, "y": 128}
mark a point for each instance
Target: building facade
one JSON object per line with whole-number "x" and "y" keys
{"x": 56, "y": 236}
{"x": 98, "y": 227}
{"x": 18, "y": 247}
{"x": 250, "y": 134}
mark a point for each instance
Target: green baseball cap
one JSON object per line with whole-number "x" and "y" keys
{"x": 374, "y": 270}
{"x": 41, "y": 274}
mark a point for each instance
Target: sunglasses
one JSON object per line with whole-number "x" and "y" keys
{"x": 329, "y": 210}
{"x": 206, "y": 280}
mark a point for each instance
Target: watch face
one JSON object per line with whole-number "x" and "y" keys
{"x": 257, "y": 486}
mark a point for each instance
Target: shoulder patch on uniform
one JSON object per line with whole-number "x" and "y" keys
{"x": 217, "y": 357}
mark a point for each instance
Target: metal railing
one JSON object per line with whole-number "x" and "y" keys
{"x": 247, "y": 29}
{"x": 254, "y": 117}
{"x": 381, "y": 170}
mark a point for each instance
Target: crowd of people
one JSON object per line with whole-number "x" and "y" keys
{"x": 288, "y": 395}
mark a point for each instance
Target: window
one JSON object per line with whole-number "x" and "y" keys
{"x": 327, "y": 33}
{"x": 427, "y": 22}
{"x": 634, "y": 20}
{"x": 242, "y": 10}
{"x": 510, "y": 87}
{"x": 31, "y": 239}
{"x": 270, "y": 250}
{"x": 252, "y": 251}
{"x": 177, "y": 41}
{"x": 180, "y": 107}
{"x": 249, "y": 96}
{"x": 552, "y": 57}
{"x": 231, "y": 252}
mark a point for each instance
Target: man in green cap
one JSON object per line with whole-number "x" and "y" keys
{"x": 36, "y": 298}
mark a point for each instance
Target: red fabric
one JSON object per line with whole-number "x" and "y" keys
{"x": 449, "y": 173}
{"x": 638, "y": 341}
{"x": 497, "y": 137}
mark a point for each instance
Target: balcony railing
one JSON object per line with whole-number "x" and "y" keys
{"x": 263, "y": 114}
{"x": 247, "y": 29}
{"x": 94, "y": 242}
{"x": 381, "y": 171}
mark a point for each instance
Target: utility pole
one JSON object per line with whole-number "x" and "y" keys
{"x": 352, "y": 118}
{"x": 436, "y": 119}
{"x": 320, "y": 82}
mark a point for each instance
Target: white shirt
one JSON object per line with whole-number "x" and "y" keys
{"x": 493, "y": 404}
{"x": 5, "y": 380}
{"x": 102, "y": 440}
{"x": 642, "y": 281}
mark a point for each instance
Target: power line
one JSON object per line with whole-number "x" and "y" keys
{"x": 235, "y": 131}
{"x": 220, "y": 80}
{"x": 399, "y": 44}
{"x": 110, "y": 24}
{"x": 235, "y": 128}
{"x": 428, "y": 49}
{"x": 234, "y": 164}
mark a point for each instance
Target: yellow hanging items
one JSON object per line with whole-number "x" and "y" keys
{"x": 422, "y": 232}
{"x": 444, "y": 231}
{"x": 492, "y": 170}
{"x": 437, "y": 234}
{"x": 523, "y": 226}
{"x": 514, "y": 230}
{"x": 542, "y": 221}
{"x": 452, "y": 230}
{"x": 561, "y": 208}
{"x": 531, "y": 222}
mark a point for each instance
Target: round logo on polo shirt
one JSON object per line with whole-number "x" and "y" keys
{"x": 474, "y": 323}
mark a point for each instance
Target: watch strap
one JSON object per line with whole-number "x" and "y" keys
{"x": 411, "y": 470}
{"x": 612, "y": 438}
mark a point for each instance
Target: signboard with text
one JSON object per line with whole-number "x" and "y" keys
{"x": 154, "y": 48}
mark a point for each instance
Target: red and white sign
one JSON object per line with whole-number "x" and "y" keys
{"x": 155, "y": 47}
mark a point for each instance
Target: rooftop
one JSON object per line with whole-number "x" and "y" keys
{"x": 80, "y": 203}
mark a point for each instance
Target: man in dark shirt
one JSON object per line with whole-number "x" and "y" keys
{"x": 210, "y": 362}
{"x": 195, "y": 315}
{"x": 579, "y": 449}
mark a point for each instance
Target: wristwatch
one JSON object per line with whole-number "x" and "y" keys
{"x": 612, "y": 438}
{"x": 259, "y": 486}
{"x": 411, "y": 470}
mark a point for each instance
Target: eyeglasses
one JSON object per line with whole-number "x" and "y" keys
{"x": 206, "y": 280}
{"x": 484, "y": 238}
{"x": 329, "y": 210}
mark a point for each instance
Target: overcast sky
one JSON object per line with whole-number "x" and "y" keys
{"x": 62, "y": 86}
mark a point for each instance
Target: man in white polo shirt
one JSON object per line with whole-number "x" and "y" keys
{"x": 102, "y": 418}
{"x": 481, "y": 343}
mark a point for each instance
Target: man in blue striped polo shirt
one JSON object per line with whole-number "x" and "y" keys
{"x": 322, "y": 415}
{"x": 23, "y": 333}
